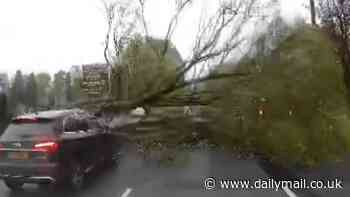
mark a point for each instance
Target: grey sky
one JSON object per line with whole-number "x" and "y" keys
{"x": 42, "y": 35}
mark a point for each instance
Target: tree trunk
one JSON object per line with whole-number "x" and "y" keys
{"x": 313, "y": 12}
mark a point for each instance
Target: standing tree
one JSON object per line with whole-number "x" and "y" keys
{"x": 17, "y": 92}
{"x": 59, "y": 89}
{"x": 3, "y": 109}
{"x": 3, "y": 106}
{"x": 68, "y": 88}
{"x": 31, "y": 93}
{"x": 145, "y": 71}
{"x": 77, "y": 90}
{"x": 217, "y": 37}
{"x": 44, "y": 85}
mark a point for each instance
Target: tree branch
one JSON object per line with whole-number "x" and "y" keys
{"x": 109, "y": 104}
{"x": 216, "y": 39}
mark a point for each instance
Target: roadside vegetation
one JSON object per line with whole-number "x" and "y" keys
{"x": 292, "y": 109}
{"x": 295, "y": 110}
{"x": 287, "y": 99}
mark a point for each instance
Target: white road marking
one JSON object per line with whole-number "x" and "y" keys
{"x": 289, "y": 192}
{"x": 127, "y": 192}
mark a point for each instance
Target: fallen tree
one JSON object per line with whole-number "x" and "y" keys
{"x": 298, "y": 114}
{"x": 217, "y": 38}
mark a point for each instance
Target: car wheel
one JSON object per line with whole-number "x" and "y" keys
{"x": 77, "y": 177}
{"x": 14, "y": 185}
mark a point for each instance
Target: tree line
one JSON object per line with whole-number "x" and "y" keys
{"x": 34, "y": 92}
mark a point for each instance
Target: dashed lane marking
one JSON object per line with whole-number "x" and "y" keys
{"x": 127, "y": 192}
{"x": 289, "y": 192}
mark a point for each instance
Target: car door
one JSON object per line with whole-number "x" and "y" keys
{"x": 79, "y": 143}
{"x": 98, "y": 135}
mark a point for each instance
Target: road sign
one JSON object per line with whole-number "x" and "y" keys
{"x": 95, "y": 79}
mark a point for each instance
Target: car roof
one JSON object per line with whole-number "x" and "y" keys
{"x": 53, "y": 114}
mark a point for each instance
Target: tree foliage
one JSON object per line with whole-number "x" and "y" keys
{"x": 77, "y": 91}
{"x": 68, "y": 88}
{"x": 294, "y": 110}
{"x": 3, "y": 106}
{"x": 146, "y": 72}
{"x": 217, "y": 37}
{"x": 44, "y": 86}
{"x": 17, "y": 97}
{"x": 58, "y": 90}
{"x": 31, "y": 92}
{"x": 3, "y": 111}
{"x": 17, "y": 90}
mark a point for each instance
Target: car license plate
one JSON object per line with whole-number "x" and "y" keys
{"x": 18, "y": 155}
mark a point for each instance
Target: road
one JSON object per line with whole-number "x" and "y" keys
{"x": 137, "y": 177}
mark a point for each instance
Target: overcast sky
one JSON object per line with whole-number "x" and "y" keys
{"x": 49, "y": 35}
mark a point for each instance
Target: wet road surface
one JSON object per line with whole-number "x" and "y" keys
{"x": 137, "y": 177}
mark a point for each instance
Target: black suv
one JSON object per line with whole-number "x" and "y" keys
{"x": 54, "y": 147}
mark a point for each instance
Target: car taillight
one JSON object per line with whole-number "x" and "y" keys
{"x": 50, "y": 147}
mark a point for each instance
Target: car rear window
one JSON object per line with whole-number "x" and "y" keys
{"x": 25, "y": 131}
